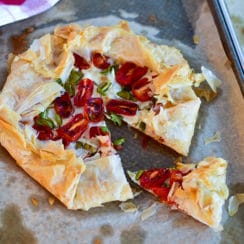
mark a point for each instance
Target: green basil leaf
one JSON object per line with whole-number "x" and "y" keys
{"x": 45, "y": 122}
{"x": 116, "y": 119}
{"x": 103, "y": 87}
{"x": 119, "y": 141}
{"x": 139, "y": 174}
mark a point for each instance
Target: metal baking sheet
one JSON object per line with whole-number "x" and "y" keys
{"x": 230, "y": 22}
{"x": 174, "y": 23}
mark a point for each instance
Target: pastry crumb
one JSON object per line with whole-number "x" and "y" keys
{"x": 215, "y": 138}
{"x": 234, "y": 203}
{"x": 152, "y": 19}
{"x": 213, "y": 81}
{"x": 34, "y": 202}
{"x": 207, "y": 94}
{"x": 148, "y": 212}
{"x": 196, "y": 39}
{"x": 128, "y": 207}
{"x": 178, "y": 160}
{"x": 51, "y": 200}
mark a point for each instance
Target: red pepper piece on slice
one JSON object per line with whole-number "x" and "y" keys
{"x": 94, "y": 109}
{"x": 63, "y": 105}
{"x": 176, "y": 176}
{"x": 100, "y": 61}
{"x": 154, "y": 178}
{"x": 122, "y": 107}
{"x": 129, "y": 73}
{"x": 141, "y": 90}
{"x": 98, "y": 131}
{"x": 124, "y": 74}
{"x": 161, "y": 192}
{"x": 73, "y": 130}
{"x": 44, "y": 132}
{"x": 85, "y": 90}
{"x": 80, "y": 62}
{"x": 138, "y": 73}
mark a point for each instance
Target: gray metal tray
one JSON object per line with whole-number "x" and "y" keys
{"x": 173, "y": 22}
{"x": 229, "y": 36}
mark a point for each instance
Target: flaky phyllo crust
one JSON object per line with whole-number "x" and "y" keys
{"x": 202, "y": 192}
{"x": 31, "y": 87}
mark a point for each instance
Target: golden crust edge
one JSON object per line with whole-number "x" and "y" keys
{"x": 61, "y": 180}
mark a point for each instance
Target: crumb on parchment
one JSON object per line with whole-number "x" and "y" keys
{"x": 34, "y": 202}
{"x": 215, "y": 138}
{"x": 196, "y": 39}
{"x": 51, "y": 200}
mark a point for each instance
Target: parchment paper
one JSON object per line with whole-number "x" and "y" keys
{"x": 172, "y": 22}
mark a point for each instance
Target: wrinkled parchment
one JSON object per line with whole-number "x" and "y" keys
{"x": 161, "y": 23}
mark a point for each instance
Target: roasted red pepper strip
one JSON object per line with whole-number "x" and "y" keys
{"x": 122, "y": 107}
{"x": 63, "y": 105}
{"x": 138, "y": 73}
{"x": 141, "y": 90}
{"x": 161, "y": 192}
{"x": 85, "y": 90}
{"x": 154, "y": 178}
{"x": 159, "y": 181}
{"x": 125, "y": 73}
{"x": 100, "y": 61}
{"x": 129, "y": 73}
{"x": 94, "y": 109}
{"x": 98, "y": 131}
{"x": 73, "y": 130}
{"x": 44, "y": 132}
{"x": 176, "y": 176}
{"x": 80, "y": 62}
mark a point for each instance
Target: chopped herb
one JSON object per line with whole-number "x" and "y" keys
{"x": 108, "y": 70}
{"x": 126, "y": 95}
{"x": 117, "y": 119}
{"x": 74, "y": 77}
{"x": 119, "y": 141}
{"x": 103, "y": 87}
{"x": 58, "y": 119}
{"x": 139, "y": 174}
{"x": 70, "y": 88}
{"x": 91, "y": 149}
{"x": 142, "y": 125}
{"x": 73, "y": 80}
{"x": 104, "y": 129}
{"x": 59, "y": 81}
{"x": 43, "y": 114}
{"x": 78, "y": 145}
{"x": 45, "y": 122}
